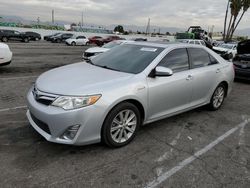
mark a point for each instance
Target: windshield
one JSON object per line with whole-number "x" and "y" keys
{"x": 127, "y": 58}
{"x": 227, "y": 46}
{"x": 111, "y": 44}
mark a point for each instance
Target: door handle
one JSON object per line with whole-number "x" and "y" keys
{"x": 218, "y": 71}
{"x": 189, "y": 77}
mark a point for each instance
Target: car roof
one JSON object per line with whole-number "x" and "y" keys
{"x": 164, "y": 44}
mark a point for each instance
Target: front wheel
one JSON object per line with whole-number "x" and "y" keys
{"x": 218, "y": 97}
{"x": 5, "y": 39}
{"x": 121, "y": 125}
{"x": 73, "y": 44}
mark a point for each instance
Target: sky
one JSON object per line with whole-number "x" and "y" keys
{"x": 163, "y": 13}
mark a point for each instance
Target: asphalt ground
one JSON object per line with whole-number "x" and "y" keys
{"x": 199, "y": 148}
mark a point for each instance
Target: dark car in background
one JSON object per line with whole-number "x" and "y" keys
{"x": 241, "y": 60}
{"x": 61, "y": 37}
{"x": 12, "y": 35}
{"x": 48, "y": 37}
{"x": 33, "y": 35}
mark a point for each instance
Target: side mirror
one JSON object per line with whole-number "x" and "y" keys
{"x": 163, "y": 71}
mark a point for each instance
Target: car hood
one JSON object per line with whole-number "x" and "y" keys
{"x": 97, "y": 50}
{"x": 70, "y": 40}
{"x": 4, "y": 46}
{"x": 221, "y": 49}
{"x": 79, "y": 79}
{"x": 244, "y": 47}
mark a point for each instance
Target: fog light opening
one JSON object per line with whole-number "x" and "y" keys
{"x": 71, "y": 132}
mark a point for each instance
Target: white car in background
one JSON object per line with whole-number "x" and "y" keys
{"x": 77, "y": 41}
{"x": 226, "y": 50}
{"x": 193, "y": 41}
{"x": 5, "y": 54}
{"x": 92, "y": 52}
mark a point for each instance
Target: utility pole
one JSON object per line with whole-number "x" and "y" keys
{"x": 53, "y": 18}
{"x": 38, "y": 21}
{"x": 148, "y": 27}
{"x": 212, "y": 31}
{"x": 82, "y": 20}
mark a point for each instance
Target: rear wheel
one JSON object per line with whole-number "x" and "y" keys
{"x": 5, "y": 39}
{"x": 36, "y": 39}
{"x": 73, "y": 43}
{"x": 121, "y": 125}
{"x": 25, "y": 40}
{"x": 218, "y": 97}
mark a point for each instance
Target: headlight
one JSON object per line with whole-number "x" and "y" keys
{"x": 70, "y": 103}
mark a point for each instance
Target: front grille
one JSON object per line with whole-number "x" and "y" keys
{"x": 43, "y": 98}
{"x": 242, "y": 65}
{"x": 41, "y": 124}
{"x": 87, "y": 54}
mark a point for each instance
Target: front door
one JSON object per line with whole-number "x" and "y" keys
{"x": 167, "y": 95}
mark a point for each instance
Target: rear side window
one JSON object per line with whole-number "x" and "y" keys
{"x": 199, "y": 57}
{"x": 177, "y": 60}
{"x": 197, "y": 42}
{"x": 81, "y": 37}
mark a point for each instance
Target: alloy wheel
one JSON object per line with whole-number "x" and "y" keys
{"x": 218, "y": 97}
{"x": 123, "y": 126}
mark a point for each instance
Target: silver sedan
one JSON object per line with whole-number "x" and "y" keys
{"x": 109, "y": 97}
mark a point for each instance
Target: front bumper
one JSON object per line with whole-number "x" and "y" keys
{"x": 57, "y": 121}
{"x": 242, "y": 73}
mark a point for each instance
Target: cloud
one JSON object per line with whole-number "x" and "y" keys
{"x": 165, "y": 13}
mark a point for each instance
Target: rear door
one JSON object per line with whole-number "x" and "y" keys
{"x": 170, "y": 94}
{"x": 205, "y": 71}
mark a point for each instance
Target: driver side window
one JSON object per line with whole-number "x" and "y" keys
{"x": 176, "y": 60}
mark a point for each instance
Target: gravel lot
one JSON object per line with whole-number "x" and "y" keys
{"x": 182, "y": 151}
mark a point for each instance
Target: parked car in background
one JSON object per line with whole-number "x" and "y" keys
{"x": 241, "y": 60}
{"x": 61, "y": 37}
{"x": 194, "y": 41}
{"x": 108, "y": 39}
{"x": 77, "y": 41}
{"x": 33, "y": 35}
{"x": 226, "y": 50}
{"x": 5, "y": 54}
{"x": 95, "y": 40}
{"x": 11, "y": 35}
{"x": 92, "y": 52}
{"x": 140, "y": 39}
{"x": 48, "y": 37}
{"x": 110, "y": 97}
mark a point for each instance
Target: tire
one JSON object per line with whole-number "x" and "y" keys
{"x": 26, "y": 40}
{"x": 58, "y": 41}
{"x": 36, "y": 39}
{"x": 5, "y": 39}
{"x": 73, "y": 43}
{"x": 87, "y": 43}
{"x": 217, "y": 98}
{"x": 122, "y": 133}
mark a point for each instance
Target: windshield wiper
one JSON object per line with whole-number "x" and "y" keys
{"x": 106, "y": 67}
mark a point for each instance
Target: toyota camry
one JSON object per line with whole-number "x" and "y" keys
{"x": 110, "y": 96}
